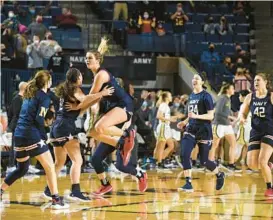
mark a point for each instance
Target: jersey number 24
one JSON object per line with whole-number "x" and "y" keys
{"x": 193, "y": 108}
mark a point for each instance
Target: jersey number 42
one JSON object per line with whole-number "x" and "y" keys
{"x": 260, "y": 112}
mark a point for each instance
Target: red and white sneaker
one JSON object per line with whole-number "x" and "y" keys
{"x": 268, "y": 193}
{"x": 129, "y": 143}
{"x": 142, "y": 183}
{"x": 103, "y": 190}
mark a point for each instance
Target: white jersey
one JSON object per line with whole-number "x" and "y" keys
{"x": 166, "y": 111}
{"x": 163, "y": 130}
{"x": 247, "y": 124}
{"x": 243, "y": 133}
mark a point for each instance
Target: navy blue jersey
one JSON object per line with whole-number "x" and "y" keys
{"x": 31, "y": 119}
{"x": 262, "y": 114}
{"x": 120, "y": 97}
{"x": 200, "y": 104}
{"x": 64, "y": 114}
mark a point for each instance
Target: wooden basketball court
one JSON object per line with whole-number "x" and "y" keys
{"x": 241, "y": 198}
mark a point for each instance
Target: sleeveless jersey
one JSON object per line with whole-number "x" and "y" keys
{"x": 262, "y": 114}
{"x": 62, "y": 113}
{"x": 165, "y": 109}
{"x": 120, "y": 97}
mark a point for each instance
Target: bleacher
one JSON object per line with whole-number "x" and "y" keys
{"x": 67, "y": 39}
{"x": 196, "y": 39}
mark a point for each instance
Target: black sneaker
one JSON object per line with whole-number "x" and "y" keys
{"x": 78, "y": 196}
{"x": 186, "y": 188}
{"x": 220, "y": 180}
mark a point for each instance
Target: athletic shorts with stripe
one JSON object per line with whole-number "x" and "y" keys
{"x": 62, "y": 131}
{"x": 163, "y": 132}
{"x": 222, "y": 130}
{"x": 23, "y": 147}
{"x": 256, "y": 138}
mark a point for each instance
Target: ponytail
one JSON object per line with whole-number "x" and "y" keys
{"x": 39, "y": 81}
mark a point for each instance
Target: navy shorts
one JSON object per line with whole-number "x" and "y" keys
{"x": 24, "y": 148}
{"x": 62, "y": 131}
{"x": 256, "y": 138}
{"x": 127, "y": 106}
{"x": 199, "y": 132}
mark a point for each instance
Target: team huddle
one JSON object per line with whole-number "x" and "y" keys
{"x": 112, "y": 128}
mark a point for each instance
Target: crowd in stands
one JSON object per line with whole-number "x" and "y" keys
{"x": 28, "y": 31}
{"x": 143, "y": 28}
{"x": 187, "y": 29}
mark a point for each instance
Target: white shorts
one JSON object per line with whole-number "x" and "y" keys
{"x": 163, "y": 132}
{"x": 243, "y": 135}
{"x": 222, "y": 130}
{"x": 176, "y": 134}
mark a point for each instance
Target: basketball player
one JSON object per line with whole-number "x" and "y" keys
{"x": 222, "y": 126}
{"x": 260, "y": 148}
{"x": 163, "y": 131}
{"x": 63, "y": 133}
{"x": 30, "y": 136}
{"x": 198, "y": 131}
{"x": 118, "y": 111}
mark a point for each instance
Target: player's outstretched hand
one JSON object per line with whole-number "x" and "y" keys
{"x": 108, "y": 91}
{"x": 70, "y": 106}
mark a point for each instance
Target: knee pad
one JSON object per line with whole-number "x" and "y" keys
{"x": 210, "y": 165}
{"x": 20, "y": 171}
{"x": 97, "y": 164}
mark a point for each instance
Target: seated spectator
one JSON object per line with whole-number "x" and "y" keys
{"x": 240, "y": 53}
{"x": 26, "y": 17}
{"x": 37, "y": 28}
{"x": 223, "y": 28}
{"x": 209, "y": 27}
{"x": 160, "y": 30}
{"x": 67, "y": 20}
{"x": 57, "y": 61}
{"x": 11, "y": 22}
{"x": 120, "y": 7}
{"x": 210, "y": 59}
{"x": 146, "y": 23}
{"x": 210, "y": 56}
{"x": 48, "y": 45}
{"x": 228, "y": 64}
{"x": 35, "y": 59}
{"x": 179, "y": 19}
{"x": 241, "y": 80}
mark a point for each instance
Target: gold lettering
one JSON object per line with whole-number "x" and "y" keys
{"x": 43, "y": 112}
